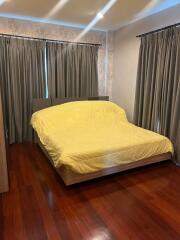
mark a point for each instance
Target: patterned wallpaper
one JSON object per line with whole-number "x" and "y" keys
{"x": 50, "y": 31}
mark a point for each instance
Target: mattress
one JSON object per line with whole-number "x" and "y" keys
{"x": 88, "y": 136}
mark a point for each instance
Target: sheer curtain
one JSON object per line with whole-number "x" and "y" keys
{"x": 22, "y": 78}
{"x": 157, "y": 101}
{"x": 72, "y": 70}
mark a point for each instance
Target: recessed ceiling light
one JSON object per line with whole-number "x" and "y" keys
{"x": 100, "y": 15}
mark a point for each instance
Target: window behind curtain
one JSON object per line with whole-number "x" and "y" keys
{"x": 36, "y": 69}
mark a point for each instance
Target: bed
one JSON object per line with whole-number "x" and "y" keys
{"x": 86, "y": 138}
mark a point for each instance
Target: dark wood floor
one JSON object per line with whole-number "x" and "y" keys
{"x": 142, "y": 204}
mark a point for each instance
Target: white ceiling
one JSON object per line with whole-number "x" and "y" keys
{"x": 79, "y": 13}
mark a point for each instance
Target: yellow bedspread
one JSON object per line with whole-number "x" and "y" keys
{"x": 90, "y": 135}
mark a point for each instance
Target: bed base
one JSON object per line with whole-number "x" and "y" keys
{"x": 70, "y": 177}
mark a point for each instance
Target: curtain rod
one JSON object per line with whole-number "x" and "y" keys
{"x": 159, "y": 30}
{"x": 49, "y": 40}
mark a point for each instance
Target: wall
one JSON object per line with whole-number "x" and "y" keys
{"x": 126, "y": 50}
{"x": 49, "y": 31}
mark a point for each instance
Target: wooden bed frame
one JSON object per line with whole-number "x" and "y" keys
{"x": 70, "y": 177}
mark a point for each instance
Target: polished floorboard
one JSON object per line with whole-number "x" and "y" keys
{"x": 141, "y": 204}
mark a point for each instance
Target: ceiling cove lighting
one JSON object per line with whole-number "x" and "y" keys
{"x": 99, "y": 16}
{"x": 153, "y": 7}
{"x": 163, "y": 5}
{"x": 48, "y": 21}
{"x": 147, "y": 8}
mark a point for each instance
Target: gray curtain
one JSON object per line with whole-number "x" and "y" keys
{"x": 22, "y": 78}
{"x": 72, "y": 70}
{"x": 157, "y": 101}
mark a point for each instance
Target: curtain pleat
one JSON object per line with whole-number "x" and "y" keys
{"x": 22, "y": 78}
{"x": 72, "y": 70}
{"x": 157, "y": 101}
